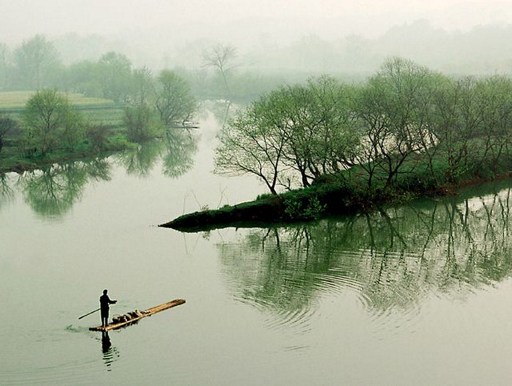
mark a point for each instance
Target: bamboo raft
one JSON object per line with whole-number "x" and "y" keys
{"x": 143, "y": 314}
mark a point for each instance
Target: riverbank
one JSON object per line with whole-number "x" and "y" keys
{"x": 13, "y": 162}
{"x": 295, "y": 206}
{"x": 312, "y": 203}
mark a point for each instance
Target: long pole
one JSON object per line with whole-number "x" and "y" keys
{"x": 89, "y": 313}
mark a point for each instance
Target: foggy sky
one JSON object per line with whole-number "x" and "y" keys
{"x": 239, "y": 19}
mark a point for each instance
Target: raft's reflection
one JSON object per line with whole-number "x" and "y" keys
{"x": 110, "y": 354}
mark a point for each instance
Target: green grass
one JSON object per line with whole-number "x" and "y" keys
{"x": 18, "y": 99}
{"x": 96, "y": 111}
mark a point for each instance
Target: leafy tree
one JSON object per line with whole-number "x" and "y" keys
{"x": 457, "y": 121}
{"x": 174, "y": 101}
{"x": 97, "y": 136}
{"x": 84, "y": 77}
{"x": 137, "y": 120}
{"x": 143, "y": 89}
{"x": 494, "y": 104}
{"x": 317, "y": 123}
{"x": 293, "y": 134}
{"x": 138, "y": 115}
{"x": 37, "y": 62}
{"x": 392, "y": 110}
{"x": 115, "y": 74}
{"x": 73, "y": 132}
{"x": 248, "y": 145}
{"x": 48, "y": 119}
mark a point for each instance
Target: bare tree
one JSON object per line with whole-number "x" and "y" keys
{"x": 249, "y": 146}
{"x": 221, "y": 57}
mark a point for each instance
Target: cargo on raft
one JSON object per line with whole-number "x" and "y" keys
{"x": 134, "y": 316}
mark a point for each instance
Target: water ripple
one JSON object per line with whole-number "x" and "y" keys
{"x": 60, "y": 367}
{"x": 287, "y": 316}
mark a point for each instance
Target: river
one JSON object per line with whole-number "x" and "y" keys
{"x": 420, "y": 294}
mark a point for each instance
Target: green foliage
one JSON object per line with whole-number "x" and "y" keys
{"x": 50, "y": 120}
{"x": 97, "y": 136}
{"x": 406, "y": 129}
{"x": 37, "y": 64}
{"x": 115, "y": 74}
{"x": 303, "y": 207}
{"x": 8, "y": 126}
{"x": 290, "y": 136}
{"x": 174, "y": 101}
{"x": 263, "y": 196}
{"x": 73, "y": 132}
{"x": 138, "y": 122}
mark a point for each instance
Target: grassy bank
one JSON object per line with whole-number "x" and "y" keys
{"x": 348, "y": 193}
{"x": 96, "y": 112}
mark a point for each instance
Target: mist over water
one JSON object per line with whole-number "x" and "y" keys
{"x": 414, "y": 294}
{"x": 401, "y": 292}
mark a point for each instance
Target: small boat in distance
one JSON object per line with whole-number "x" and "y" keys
{"x": 135, "y": 316}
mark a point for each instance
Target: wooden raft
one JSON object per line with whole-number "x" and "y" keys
{"x": 148, "y": 312}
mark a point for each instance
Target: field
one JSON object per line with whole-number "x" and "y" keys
{"x": 17, "y": 99}
{"x": 95, "y": 110}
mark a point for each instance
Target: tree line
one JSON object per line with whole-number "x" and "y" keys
{"x": 49, "y": 123}
{"x": 406, "y": 126}
{"x": 36, "y": 63}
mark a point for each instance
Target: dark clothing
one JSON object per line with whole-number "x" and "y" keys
{"x": 104, "y": 314}
{"x": 104, "y": 305}
{"x": 105, "y": 301}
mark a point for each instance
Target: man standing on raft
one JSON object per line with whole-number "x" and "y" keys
{"x": 104, "y": 305}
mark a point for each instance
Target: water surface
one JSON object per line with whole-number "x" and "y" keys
{"x": 420, "y": 294}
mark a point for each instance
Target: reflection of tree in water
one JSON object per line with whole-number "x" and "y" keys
{"x": 391, "y": 258}
{"x": 180, "y": 147}
{"x": 54, "y": 190}
{"x": 222, "y": 110}
{"x": 99, "y": 169}
{"x": 6, "y": 192}
{"x": 176, "y": 149}
{"x": 141, "y": 158}
{"x": 271, "y": 274}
